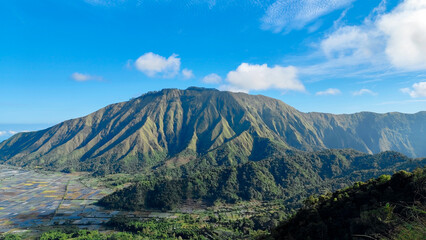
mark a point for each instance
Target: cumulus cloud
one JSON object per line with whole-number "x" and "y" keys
{"x": 187, "y": 74}
{"x": 417, "y": 90}
{"x": 212, "y": 78}
{"x": 261, "y": 77}
{"x": 155, "y": 65}
{"x": 295, "y": 14}
{"x": 81, "y": 77}
{"x": 405, "y": 28}
{"x": 330, "y": 91}
{"x": 364, "y": 91}
{"x": 396, "y": 38}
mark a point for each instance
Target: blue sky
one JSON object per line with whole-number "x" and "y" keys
{"x": 62, "y": 59}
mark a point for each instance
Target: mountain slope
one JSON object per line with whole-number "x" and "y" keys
{"x": 289, "y": 176}
{"x": 176, "y": 126}
{"x": 372, "y": 132}
{"x": 383, "y": 208}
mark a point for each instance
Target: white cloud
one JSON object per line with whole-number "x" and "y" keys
{"x": 187, "y": 74}
{"x": 81, "y": 77}
{"x": 155, "y": 65}
{"x": 405, "y": 28}
{"x": 417, "y": 90}
{"x": 364, "y": 91}
{"x": 394, "y": 39}
{"x": 295, "y": 14}
{"x": 330, "y": 91}
{"x": 349, "y": 41}
{"x": 212, "y": 78}
{"x": 231, "y": 88}
{"x": 2, "y": 133}
{"x": 261, "y": 77}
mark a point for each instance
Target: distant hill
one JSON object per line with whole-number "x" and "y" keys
{"x": 173, "y": 127}
{"x": 290, "y": 176}
{"x": 383, "y": 208}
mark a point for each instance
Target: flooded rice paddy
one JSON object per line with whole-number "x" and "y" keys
{"x": 30, "y": 199}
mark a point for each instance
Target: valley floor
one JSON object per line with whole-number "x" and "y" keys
{"x": 30, "y": 200}
{"x": 36, "y": 202}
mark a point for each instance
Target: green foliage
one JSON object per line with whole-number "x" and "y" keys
{"x": 60, "y": 234}
{"x": 389, "y": 207}
{"x": 290, "y": 175}
{"x": 218, "y": 223}
{"x": 160, "y": 228}
{"x": 10, "y": 237}
{"x": 54, "y": 235}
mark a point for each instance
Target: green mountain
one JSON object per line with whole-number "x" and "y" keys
{"x": 290, "y": 176}
{"x": 173, "y": 127}
{"x": 389, "y": 207}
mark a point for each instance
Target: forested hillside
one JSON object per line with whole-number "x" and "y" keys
{"x": 290, "y": 176}
{"x": 389, "y": 207}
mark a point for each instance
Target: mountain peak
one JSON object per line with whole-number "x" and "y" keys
{"x": 194, "y": 88}
{"x": 220, "y": 127}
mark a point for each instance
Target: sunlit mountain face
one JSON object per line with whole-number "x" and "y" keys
{"x": 224, "y": 127}
{"x": 212, "y": 119}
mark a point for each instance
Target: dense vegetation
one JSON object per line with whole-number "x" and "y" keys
{"x": 290, "y": 176}
{"x": 383, "y": 208}
{"x": 173, "y": 127}
{"x": 207, "y": 146}
{"x": 389, "y": 207}
{"x": 242, "y": 221}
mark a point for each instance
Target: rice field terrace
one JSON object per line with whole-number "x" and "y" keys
{"x": 32, "y": 199}
{"x": 34, "y": 202}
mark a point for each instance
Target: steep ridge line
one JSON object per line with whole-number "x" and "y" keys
{"x": 220, "y": 127}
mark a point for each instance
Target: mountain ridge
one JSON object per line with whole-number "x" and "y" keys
{"x": 160, "y": 125}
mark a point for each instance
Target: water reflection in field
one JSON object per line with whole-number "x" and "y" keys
{"x": 31, "y": 199}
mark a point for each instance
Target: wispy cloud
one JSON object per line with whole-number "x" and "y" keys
{"x": 261, "y": 77}
{"x": 105, "y": 2}
{"x": 187, "y": 74}
{"x": 402, "y": 102}
{"x": 330, "y": 91}
{"x": 417, "y": 90}
{"x": 184, "y": 3}
{"x": 385, "y": 40}
{"x": 365, "y": 51}
{"x": 363, "y": 92}
{"x": 286, "y": 15}
{"x": 81, "y": 77}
